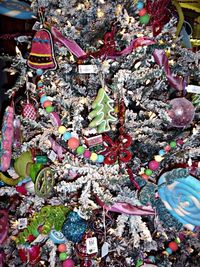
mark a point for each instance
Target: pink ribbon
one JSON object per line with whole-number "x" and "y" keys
{"x": 3, "y": 226}
{"x": 126, "y": 208}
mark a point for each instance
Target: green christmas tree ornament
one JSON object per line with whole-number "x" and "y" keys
{"x": 100, "y": 116}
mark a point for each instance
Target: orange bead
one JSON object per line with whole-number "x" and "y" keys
{"x": 145, "y": 177}
{"x": 47, "y": 103}
{"x": 73, "y": 143}
{"x": 62, "y": 248}
{"x": 173, "y": 245}
{"x": 142, "y": 12}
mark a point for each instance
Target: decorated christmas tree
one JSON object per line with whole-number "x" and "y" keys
{"x": 100, "y": 153}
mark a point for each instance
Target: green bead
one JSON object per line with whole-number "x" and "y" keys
{"x": 80, "y": 150}
{"x": 63, "y": 256}
{"x": 148, "y": 172}
{"x": 145, "y": 19}
{"x": 172, "y": 144}
{"x": 49, "y": 109}
{"x": 177, "y": 240}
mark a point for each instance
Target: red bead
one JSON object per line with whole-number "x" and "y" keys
{"x": 62, "y": 248}
{"x": 142, "y": 12}
{"x": 153, "y": 165}
{"x": 73, "y": 143}
{"x": 173, "y": 246}
{"x": 47, "y": 103}
{"x": 167, "y": 148}
{"x": 145, "y": 177}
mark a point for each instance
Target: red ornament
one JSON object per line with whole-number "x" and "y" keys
{"x": 142, "y": 12}
{"x": 29, "y": 111}
{"x": 173, "y": 246}
{"x": 62, "y": 248}
{"x": 30, "y": 254}
{"x": 73, "y": 143}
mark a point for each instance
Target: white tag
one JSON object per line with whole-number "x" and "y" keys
{"x": 193, "y": 89}
{"x": 22, "y": 223}
{"x": 87, "y": 69}
{"x": 52, "y": 156}
{"x": 91, "y": 245}
{"x": 36, "y": 26}
{"x": 31, "y": 87}
{"x": 104, "y": 249}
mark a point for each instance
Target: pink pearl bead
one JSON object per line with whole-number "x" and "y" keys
{"x": 87, "y": 154}
{"x": 153, "y": 165}
{"x": 68, "y": 263}
{"x": 179, "y": 142}
{"x": 142, "y": 12}
{"x": 167, "y": 148}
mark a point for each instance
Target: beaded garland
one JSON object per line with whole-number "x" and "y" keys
{"x": 73, "y": 142}
{"x": 154, "y": 164}
{"x": 142, "y": 12}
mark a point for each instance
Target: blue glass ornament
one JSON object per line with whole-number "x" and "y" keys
{"x": 74, "y": 227}
{"x": 100, "y": 158}
{"x": 162, "y": 152}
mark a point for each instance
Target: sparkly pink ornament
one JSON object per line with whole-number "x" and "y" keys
{"x": 181, "y": 113}
{"x": 153, "y": 165}
{"x": 87, "y": 154}
{"x": 68, "y": 263}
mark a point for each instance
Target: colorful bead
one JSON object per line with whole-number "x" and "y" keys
{"x": 80, "y": 150}
{"x": 179, "y": 142}
{"x": 139, "y": 5}
{"x": 62, "y": 129}
{"x": 173, "y": 246}
{"x": 145, "y": 177}
{"x": 49, "y": 109}
{"x": 148, "y": 172}
{"x": 177, "y": 240}
{"x": 87, "y": 154}
{"x": 40, "y": 84}
{"x": 62, "y": 248}
{"x": 161, "y": 152}
{"x": 100, "y": 158}
{"x": 63, "y": 256}
{"x": 142, "y": 12}
{"x": 47, "y": 103}
{"x": 68, "y": 263}
{"x": 43, "y": 99}
{"x": 172, "y": 144}
{"x": 145, "y": 19}
{"x": 169, "y": 251}
{"x": 167, "y": 148}
{"x": 73, "y": 143}
{"x": 39, "y": 72}
{"x": 153, "y": 165}
{"x": 158, "y": 158}
{"x": 67, "y": 136}
{"x": 93, "y": 157}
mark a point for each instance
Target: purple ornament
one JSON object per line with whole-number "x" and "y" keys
{"x": 181, "y": 113}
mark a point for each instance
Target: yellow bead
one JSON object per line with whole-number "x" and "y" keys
{"x": 158, "y": 158}
{"x": 93, "y": 157}
{"x": 62, "y": 129}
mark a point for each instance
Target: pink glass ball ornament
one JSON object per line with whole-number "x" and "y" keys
{"x": 181, "y": 112}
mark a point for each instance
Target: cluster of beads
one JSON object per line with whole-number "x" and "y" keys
{"x": 172, "y": 246}
{"x": 72, "y": 142}
{"x": 154, "y": 164}
{"x": 144, "y": 16}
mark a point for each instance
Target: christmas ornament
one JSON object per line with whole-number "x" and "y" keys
{"x": 181, "y": 113}
{"x": 172, "y": 247}
{"x": 68, "y": 263}
{"x": 22, "y": 164}
{"x": 44, "y": 182}
{"x": 30, "y": 254}
{"x": 41, "y": 56}
{"x": 29, "y": 111}
{"x": 57, "y": 237}
{"x": 101, "y": 116}
{"x": 74, "y": 227}
{"x": 179, "y": 192}
{"x": 7, "y": 138}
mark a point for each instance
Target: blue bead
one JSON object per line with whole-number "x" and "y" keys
{"x": 43, "y": 99}
{"x": 40, "y": 84}
{"x": 39, "y": 72}
{"x": 140, "y": 5}
{"x": 100, "y": 158}
{"x": 67, "y": 136}
{"x": 161, "y": 152}
{"x": 169, "y": 251}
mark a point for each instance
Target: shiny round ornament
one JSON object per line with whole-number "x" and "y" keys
{"x": 80, "y": 150}
{"x": 73, "y": 143}
{"x": 63, "y": 256}
{"x": 87, "y": 154}
{"x": 47, "y": 103}
{"x": 57, "y": 237}
{"x": 153, "y": 165}
{"x": 74, "y": 227}
{"x": 49, "y": 109}
{"x": 67, "y": 136}
{"x": 179, "y": 191}
{"x": 173, "y": 246}
{"x": 62, "y": 248}
{"x": 181, "y": 113}
{"x": 93, "y": 157}
{"x": 62, "y": 129}
{"x": 68, "y": 263}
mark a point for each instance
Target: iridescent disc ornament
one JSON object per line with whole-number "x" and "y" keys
{"x": 180, "y": 193}
{"x": 181, "y": 113}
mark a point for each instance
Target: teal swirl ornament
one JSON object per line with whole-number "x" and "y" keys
{"x": 180, "y": 193}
